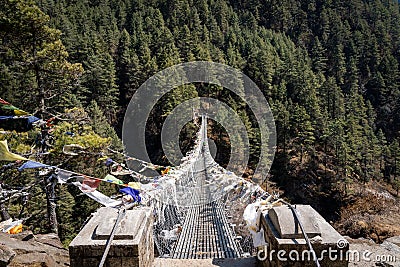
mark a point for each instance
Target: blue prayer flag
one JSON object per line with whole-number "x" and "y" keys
{"x": 32, "y": 165}
{"x": 133, "y": 192}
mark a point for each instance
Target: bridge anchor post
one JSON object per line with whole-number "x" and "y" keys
{"x": 132, "y": 246}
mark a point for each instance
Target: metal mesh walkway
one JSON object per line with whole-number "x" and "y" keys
{"x": 206, "y": 232}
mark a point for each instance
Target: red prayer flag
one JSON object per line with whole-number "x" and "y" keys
{"x": 2, "y": 101}
{"x": 89, "y": 184}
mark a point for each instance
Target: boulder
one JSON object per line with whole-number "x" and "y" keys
{"x": 34, "y": 259}
{"x": 23, "y": 236}
{"x": 395, "y": 240}
{"x": 26, "y": 249}
{"x": 393, "y": 248}
{"x": 6, "y": 255}
{"x": 49, "y": 239}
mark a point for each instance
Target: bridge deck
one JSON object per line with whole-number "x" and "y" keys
{"x": 206, "y": 232}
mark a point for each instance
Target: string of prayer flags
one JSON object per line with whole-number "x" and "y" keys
{"x": 8, "y": 109}
{"x": 18, "y": 123}
{"x": 32, "y": 165}
{"x": 13, "y": 118}
{"x": 5, "y": 153}
{"x": 88, "y": 184}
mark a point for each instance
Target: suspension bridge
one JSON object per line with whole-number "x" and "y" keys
{"x": 192, "y": 217}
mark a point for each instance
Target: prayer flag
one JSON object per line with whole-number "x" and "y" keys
{"x": 3, "y": 102}
{"x": 63, "y": 176}
{"x": 5, "y": 153}
{"x": 109, "y": 162}
{"x": 20, "y": 112}
{"x": 99, "y": 197}
{"x": 6, "y": 117}
{"x": 16, "y": 229}
{"x": 9, "y": 107}
{"x": 133, "y": 192}
{"x": 112, "y": 179}
{"x": 165, "y": 171}
{"x": 32, "y": 165}
{"x": 90, "y": 185}
{"x": 32, "y": 119}
{"x": 134, "y": 185}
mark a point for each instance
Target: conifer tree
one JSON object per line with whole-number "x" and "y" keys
{"x": 36, "y": 57}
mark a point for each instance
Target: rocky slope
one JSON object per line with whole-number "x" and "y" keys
{"x": 28, "y": 250}
{"x": 370, "y": 254}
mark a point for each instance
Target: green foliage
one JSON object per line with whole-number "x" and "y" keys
{"x": 34, "y": 59}
{"x": 83, "y": 134}
{"x": 100, "y": 125}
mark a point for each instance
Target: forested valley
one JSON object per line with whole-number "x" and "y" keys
{"x": 328, "y": 68}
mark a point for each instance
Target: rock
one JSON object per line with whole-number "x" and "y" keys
{"x": 39, "y": 259}
{"x": 23, "y": 236}
{"x": 6, "y": 255}
{"x": 384, "y": 264}
{"x": 362, "y": 224}
{"x": 391, "y": 247}
{"x": 49, "y": 239}
{"x": 42, "y": 250}
{"x": 395, "y": 240}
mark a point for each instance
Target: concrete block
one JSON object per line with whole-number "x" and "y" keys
{"x": 130, "y": 246}
{"x": 286, "y": 248}
{"x": 288, "y": 227}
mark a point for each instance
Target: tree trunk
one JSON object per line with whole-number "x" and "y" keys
{"x": 51, "y": 205}
{"x": 3, "y": 212}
